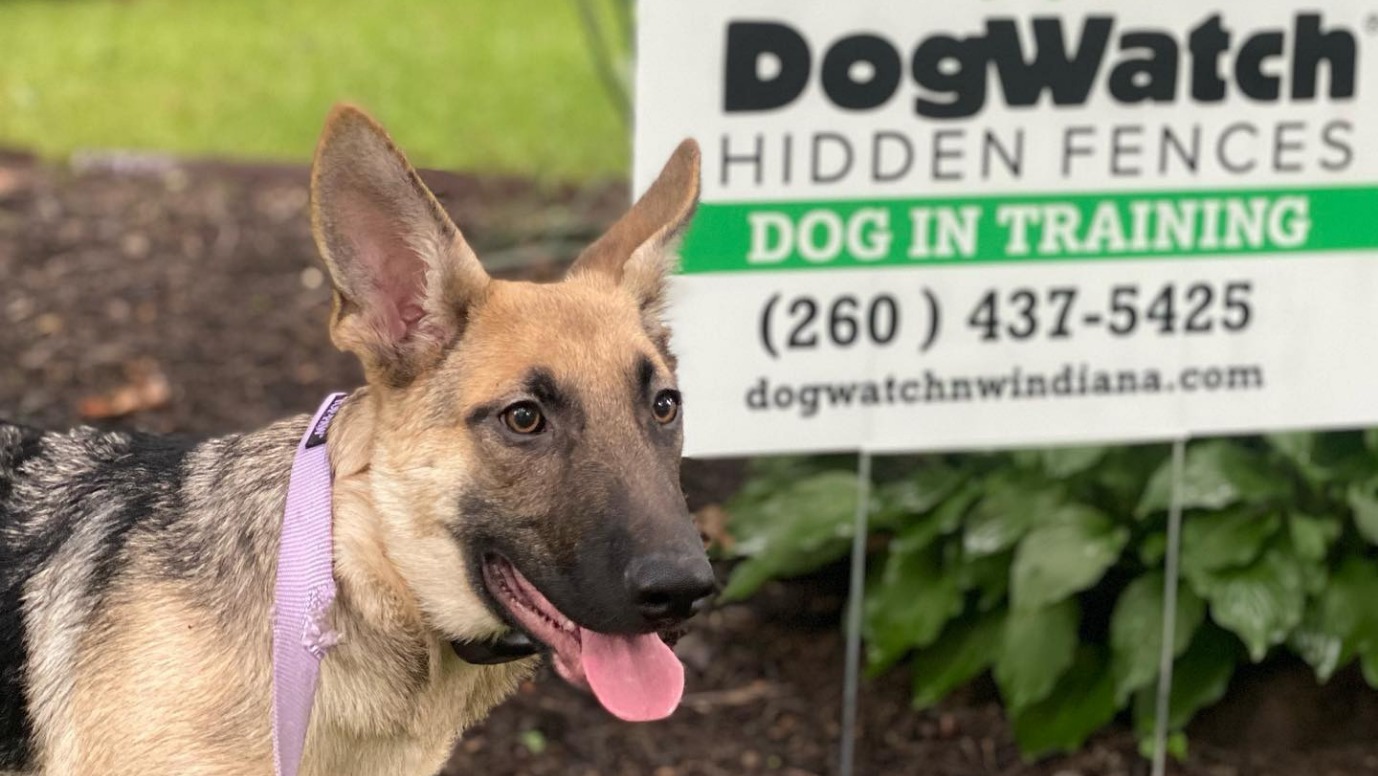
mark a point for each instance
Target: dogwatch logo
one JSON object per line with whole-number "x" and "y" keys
{"x": 932, "y": 195}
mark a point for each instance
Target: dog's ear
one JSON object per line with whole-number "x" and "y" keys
{"x": 403, "y": 275}
{"x": 634, "y": 251}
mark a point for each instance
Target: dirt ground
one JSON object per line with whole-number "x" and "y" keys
{"x": 139, "y": 292}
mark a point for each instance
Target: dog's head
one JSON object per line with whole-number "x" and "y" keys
{"x": 525, "y": 456}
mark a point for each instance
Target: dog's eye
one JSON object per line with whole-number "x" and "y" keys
{"x": 524, "y": 417}
{"x": 665, "y": 407}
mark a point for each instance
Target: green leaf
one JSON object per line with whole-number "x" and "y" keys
{"x": 771, "y": 474}
{"x": 1313, "y": 536}
{"x": 1068, "y": 461}
{"x": 917, "y": 494}
{"x": 1340, "y": 622}
{"x": 966, "y": 648}
{"x": 1124, "y": 473}
{"x": 988, "y": 575}
{"x": 1176, "y": 746}
{"x": 921, "y": 530}
{"x": 1136, "y": 631}
{"x": 1216, "y": 474}
{"x": 1371, "y": 439}
{"x": 1221, "y": 540}
{"x": 1262, "y": 602}
{"x": 1064, "y": 556}
{"x": 1200, "y": 677}
{"x": 799, "y": 527}
{"x": 1081, "y": 703}
{"x": 908, "y": 606}
{"x": 1153, "y": 548}
{"x": 1363, "y": 499}
{"x": 1324, "y": 457}
{"x": 1013, "y": 504}
{"x": 1038, "y": 647}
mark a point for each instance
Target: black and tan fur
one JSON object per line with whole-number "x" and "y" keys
{"x": 136, "y": 572}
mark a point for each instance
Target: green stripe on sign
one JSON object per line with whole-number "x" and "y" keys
{"x": 729, "y": 237}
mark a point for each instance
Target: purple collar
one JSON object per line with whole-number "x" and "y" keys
{"x": 305, "y": 588}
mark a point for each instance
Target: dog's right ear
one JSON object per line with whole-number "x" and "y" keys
{"x": 403, "y": 275}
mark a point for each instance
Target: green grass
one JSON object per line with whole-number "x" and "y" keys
{"x": 490, "y": 86}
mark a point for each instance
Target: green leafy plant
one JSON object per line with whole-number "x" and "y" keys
{"x": 1045, "y": 568}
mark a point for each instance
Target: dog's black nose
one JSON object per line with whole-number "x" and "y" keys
{"x": 667, "y": 589}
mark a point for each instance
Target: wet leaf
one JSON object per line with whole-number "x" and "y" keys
{"x": 1136, "y": 631}
{"x": 1012, "y": 506}
{"x": 1068, "y": 461}
{"x": 908, "y": 605}
{"x": 1200, "y": 677}
{"x": 1216, "y": 474}
{"x": 1066, "y": 555}
{"x": 1038, "y": 647}
{"x": 795, "y": 529}
{"x": 1079, "y": 705}
{"x": 1363, "y": 500}
{"x": 1262, "y": 602}
{"x": 966, "y": 648}
{"x": 1221, "y": 540}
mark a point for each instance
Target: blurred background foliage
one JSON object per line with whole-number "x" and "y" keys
{"x": 462, "y": 84}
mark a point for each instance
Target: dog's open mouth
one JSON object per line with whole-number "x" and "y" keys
{"x": 636, "y": 677}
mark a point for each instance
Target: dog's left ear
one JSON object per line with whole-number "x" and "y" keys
{"x": 404, "y": 278}
{"x": 634, "y": 251}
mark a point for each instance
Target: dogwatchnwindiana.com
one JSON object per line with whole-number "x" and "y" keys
{"x": 808, "y": 399}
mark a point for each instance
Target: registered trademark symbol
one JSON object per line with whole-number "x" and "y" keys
{"x": 1371, "y": 23}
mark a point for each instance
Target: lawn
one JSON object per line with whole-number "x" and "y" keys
{"x": 482, "y": 85}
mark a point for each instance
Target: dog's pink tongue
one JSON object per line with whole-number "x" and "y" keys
{"x": 636, "y": 678}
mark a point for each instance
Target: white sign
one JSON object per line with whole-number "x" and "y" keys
{"x": 959, "y": 225}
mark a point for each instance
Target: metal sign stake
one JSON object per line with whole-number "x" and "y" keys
{"x": 855, "y": 600}
{"x": 1170, "y": 573}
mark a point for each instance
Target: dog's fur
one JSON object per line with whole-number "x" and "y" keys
{"x": 137, "y": 572}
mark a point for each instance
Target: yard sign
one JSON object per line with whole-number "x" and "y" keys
{"x": 947, "y": 225}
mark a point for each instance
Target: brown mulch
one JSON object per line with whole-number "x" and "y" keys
{"x": 141, "y": 292}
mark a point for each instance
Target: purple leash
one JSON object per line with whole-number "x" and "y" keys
{"x": 304, "y": 591}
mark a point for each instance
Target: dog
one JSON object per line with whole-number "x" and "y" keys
{"x": 505, "y": 486}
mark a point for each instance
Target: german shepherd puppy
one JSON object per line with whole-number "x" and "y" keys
{"x": 506, "y": 484}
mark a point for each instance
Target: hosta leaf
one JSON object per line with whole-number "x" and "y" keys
{"x": 1064, "y": 556}
{"x": 1313, "y": 536}
{"x": 1324, "y": 457}
{"x": 1081, "y": 703}
{"x": 918, "y": 531}
{"x": 1013, "y": 504}
{"x": 1220, "y": 540}
{"x": 899, "y": 501}
{"x": 966, "y": 648}
{"x": 796, "y": 529}
{"x": 988, "y": 576}
{"x": 1067, "y": 461}
{"x": 1363, "y": 500}
{"x": 1136, "y": 631}
{"x": 1340, "y": 621}
{"x": 1124, "y": 474}
{"x": 1153, "y": 548}
{"x": 1199, "y": 678}
{"x": 1216, "y": 474}
{"x": 1262, "y": 602}
{"x": 1038, "y": 646}
{"x": 908, "y": 605}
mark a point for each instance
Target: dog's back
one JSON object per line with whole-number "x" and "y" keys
{"x": 20, "y": 450}
{"x": 69, "y": 503}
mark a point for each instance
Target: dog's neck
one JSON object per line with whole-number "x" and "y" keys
{"x": 370, "y": 587}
